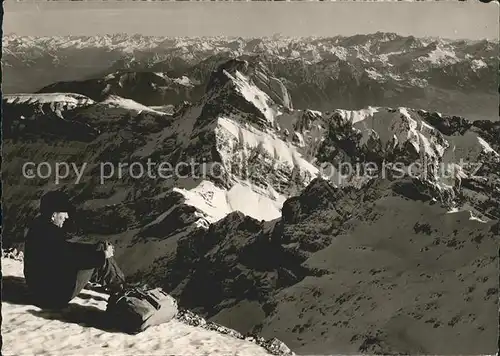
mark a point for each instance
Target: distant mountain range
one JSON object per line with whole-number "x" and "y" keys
{"x": 381, "y": 69}
{"x": 267, "y": 233}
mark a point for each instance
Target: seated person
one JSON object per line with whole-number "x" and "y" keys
{"x": 55, "y": 269}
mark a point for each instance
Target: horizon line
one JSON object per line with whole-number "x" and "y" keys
{"x": 249, "y": 37}
{"x": 253, "y": 19}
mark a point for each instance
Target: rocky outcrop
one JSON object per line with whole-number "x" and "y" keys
{"x": 274, "y": 346}
{"x": 336, "y": 259}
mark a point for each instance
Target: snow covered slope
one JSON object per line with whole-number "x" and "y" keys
{"x": 81, "y": 328}
{"x": 68, "y": 100}
{"x": 53, "y": 102}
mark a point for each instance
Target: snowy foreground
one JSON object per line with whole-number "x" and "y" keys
{"x": 28, "y": 330}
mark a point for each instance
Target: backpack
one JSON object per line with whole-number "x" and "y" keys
{"x": 134, "y": 310}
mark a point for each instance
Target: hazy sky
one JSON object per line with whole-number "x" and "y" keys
{"x": 450, "y": 19}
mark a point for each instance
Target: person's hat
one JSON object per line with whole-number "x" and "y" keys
{"x": 55, "y": 201}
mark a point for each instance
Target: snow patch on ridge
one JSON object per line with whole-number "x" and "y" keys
{"x": 253, "y": 95}
{"x": 69, "y": 99}
{"x": 161, "y": 75}
{"x": 398, "y": 126}
{"x": 185, "y": 81}
{"x": 355, "y": 116}
{"x": 315, "y": 112}
{"x": 129, "y": 104}
{"x": 385, "y": 57}
{"x": 486, "y": 146}
{"x": 478, "y": 64}
{"x": 373, "y": 74}
{"x": 440, "y": 56}
{"x": 468, "y": 213}
{"x": 250, "y": 200}
{"x": 277, "y": 149}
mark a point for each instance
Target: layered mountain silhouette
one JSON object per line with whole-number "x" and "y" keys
{"x": 263, "y": 228}
{"x": 381, "y": 69}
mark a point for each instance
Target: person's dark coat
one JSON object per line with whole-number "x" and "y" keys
{"x": 51, "y": 263}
